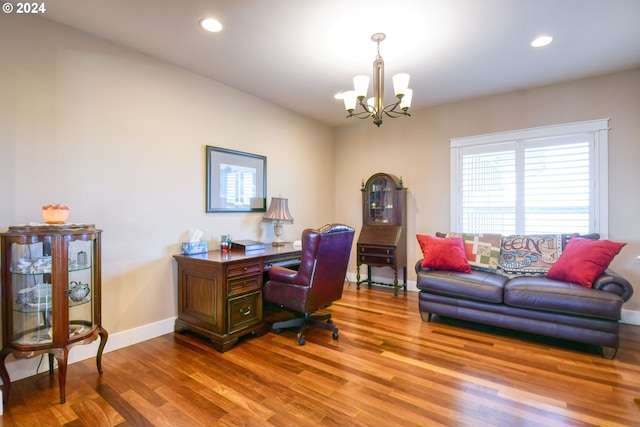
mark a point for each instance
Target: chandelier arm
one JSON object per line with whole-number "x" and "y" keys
{"x": 396, "y": 114}
{"x": 392, "y": 106}
{"x": 360, "y": 115}
{"x": 366, "y": 107}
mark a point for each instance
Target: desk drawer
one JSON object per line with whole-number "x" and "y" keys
{"x": 244, "y": 268}
{"x": 244, "y": 311}
{"x": 376, "y": 250}
{"x": 376, "y": 260}
{"x": 242, "y": 284}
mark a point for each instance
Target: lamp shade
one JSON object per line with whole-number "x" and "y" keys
{"x": 278, "y": 211}
{"x": 405, "y": 103}
{"x": 361, "y": 85}
{"x": 349, "y": 100}
{"x": 400, "y": 83}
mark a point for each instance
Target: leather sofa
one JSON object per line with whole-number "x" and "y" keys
{"x": 533, "y": 304}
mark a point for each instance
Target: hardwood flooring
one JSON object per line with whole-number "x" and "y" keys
{"x": 388, "y": 368}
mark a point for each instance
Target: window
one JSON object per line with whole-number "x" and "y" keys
{"x": 551, "y": 179}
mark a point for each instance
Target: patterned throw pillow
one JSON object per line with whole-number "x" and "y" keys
{"x": 529, "y": 255}
{"x": 483, "y": 250}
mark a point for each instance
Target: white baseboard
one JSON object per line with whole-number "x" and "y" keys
{"x": 23, "y": 368}
{"x": 628, "y": 316}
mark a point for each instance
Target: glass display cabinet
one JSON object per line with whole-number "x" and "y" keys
{"x": 50, "y": 277}
{"x": 383, "y": 239}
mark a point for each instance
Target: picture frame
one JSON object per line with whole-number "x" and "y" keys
{"x": 235, "y": 181}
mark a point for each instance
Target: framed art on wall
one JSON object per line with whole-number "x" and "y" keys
{"x": 236, "y": 181}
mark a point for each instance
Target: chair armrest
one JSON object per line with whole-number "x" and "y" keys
{"x": 282, "y": 274}
{"x": 610, "y": 281}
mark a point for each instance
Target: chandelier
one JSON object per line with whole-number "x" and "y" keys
{"x": 374, "y": 107}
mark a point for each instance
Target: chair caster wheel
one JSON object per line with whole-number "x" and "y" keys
{"x": 335, "y": 335}
{"x": 301, "y": 341}
{"x": 277, "y": 330}
{"x": 329, "y": 321}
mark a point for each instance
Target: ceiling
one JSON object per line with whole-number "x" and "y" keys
{"x": 299, "y": 53}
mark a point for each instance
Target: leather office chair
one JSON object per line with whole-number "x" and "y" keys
{"x": 317, "y": 283}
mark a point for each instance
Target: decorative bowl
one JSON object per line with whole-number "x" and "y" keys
{"x": 55, "y": 214}
{"x": 42, "y": 291}
{"x": 25, "y": 296}
{"x": 78, "y": 291}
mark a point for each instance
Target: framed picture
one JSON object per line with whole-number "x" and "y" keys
{"x": 236, "y": 181}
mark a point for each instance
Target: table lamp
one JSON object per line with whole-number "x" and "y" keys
{"x": 278, "y": 213}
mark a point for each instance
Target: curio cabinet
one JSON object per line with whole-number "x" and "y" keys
{"x": 383, "y": 238}
{"x": 50, "y": 294}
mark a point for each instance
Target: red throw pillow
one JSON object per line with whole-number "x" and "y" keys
{"x": 583, "y": 260}
{"x": 444, "y": 253}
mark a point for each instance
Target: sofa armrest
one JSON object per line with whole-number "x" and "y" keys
{"x": 420, "y": 268}
{"x": 610, "y": 281}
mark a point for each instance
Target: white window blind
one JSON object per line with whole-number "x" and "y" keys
{"x": 542, "y": 180}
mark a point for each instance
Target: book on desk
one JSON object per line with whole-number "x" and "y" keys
{"x": 247, "y": 246}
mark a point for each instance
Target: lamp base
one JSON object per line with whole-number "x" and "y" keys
{"x": 277, "y": 230}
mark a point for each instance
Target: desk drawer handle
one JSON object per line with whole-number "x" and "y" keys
{"x": 388, "y": 260}
{"x": 362, "y": 258}
{"x": 361, "y": 249}
{"x": 246, "y": 311}
{"x": 245, "y": 268}
{"x": 388, "y": 251}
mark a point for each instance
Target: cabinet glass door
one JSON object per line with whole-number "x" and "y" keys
{"x": 80, "y": 288}
{"x": 31, "y": 292}
{"x": 381, "y": 201}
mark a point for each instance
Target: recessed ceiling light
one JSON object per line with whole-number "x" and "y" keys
{"x": 541, "y": 41}
{"x": 211, "y": 25}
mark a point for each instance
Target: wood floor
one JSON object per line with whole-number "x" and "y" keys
{"x": 388, "y": 368}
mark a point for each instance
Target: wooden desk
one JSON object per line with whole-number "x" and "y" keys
{"x": 220, "y": 294}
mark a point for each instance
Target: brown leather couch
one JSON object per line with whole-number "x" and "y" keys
{"x": 530, "y": 304}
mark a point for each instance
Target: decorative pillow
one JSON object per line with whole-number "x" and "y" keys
{"x": 583, "y": 260}
{"x": 483, "y": 250}
{"x": 529, "y": 255}
{"x": 444, "y": 253}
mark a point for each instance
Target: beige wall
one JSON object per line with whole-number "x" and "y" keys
{"x": 120, "y": 138}
{"x": 417, "y": 148}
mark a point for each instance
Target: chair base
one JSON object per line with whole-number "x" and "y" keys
{"x": 322, "y": 321}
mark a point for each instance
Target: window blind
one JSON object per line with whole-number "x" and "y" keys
{"x": 548, "y": 182}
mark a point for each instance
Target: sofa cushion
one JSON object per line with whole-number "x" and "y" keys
{"x": 583, "y": 260}
{"x": 529, "y": 255}
{"x": 477, "y": 286}
{"x": 540, "y": 293}
{"x": 483, "y": 250}
{"x": 443, "y": 253}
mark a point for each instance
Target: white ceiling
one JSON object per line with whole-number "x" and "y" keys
{"x": 299, "y": 53}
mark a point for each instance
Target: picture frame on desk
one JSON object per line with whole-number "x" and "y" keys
{"x": 235, "y": 181}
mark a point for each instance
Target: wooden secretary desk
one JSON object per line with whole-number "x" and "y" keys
{"x": 383, "y": 238}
